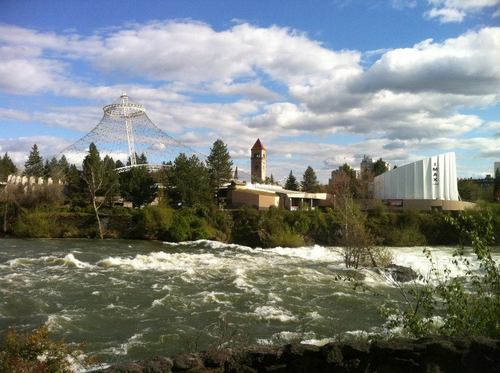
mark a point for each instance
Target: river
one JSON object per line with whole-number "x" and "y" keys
{"x": 133, "y": 299}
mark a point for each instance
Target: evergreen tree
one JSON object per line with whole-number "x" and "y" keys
{"x": 309, "y": 181}
{"x": 188, "y": 182}
{"x": 62, "y": 169}
{"x": 348, "y": 170}
{"x": 101, "y": 179}
{"x": 137, "y": 186}
{"x": 51, "y": 169}
{"x": 142, "y": 159}
{"x": 75, "y": 187}
{"x": 291, "y": 182}
{"x": 7, "y": 167}
{"x": 379, "y": 167}
{"x": 219, "y": 164}
{"x": 270, "y": 180}
{"x": 496, "y": 187}
{"x": 34, "y": 165}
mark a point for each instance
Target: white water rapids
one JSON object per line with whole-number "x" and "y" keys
{"x": 139, "y": 298}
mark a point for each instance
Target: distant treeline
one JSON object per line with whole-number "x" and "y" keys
{"x": 190, "y": 209}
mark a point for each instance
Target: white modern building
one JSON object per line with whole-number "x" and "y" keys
{"x": 425, "y": 184}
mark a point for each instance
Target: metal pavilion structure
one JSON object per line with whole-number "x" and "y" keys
{"x": 124, "y": 132}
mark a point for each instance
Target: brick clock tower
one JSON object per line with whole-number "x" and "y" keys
{"x": 258, "y": 162}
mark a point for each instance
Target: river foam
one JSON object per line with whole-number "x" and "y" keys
{"x": 132, "y": 297}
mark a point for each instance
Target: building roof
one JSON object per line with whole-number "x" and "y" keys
{"x": 277, "y": 190}
{"x": 258, "y": 145}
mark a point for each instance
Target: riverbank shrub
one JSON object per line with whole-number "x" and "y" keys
{"x": 275, "y": 231}
{"x": 36, "y": 352}
{"x": 468, "y": 305}
{"x": 152, "y": 222}
{"x": 247, "y": 226}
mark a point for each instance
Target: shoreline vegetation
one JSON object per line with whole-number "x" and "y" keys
{"x": 246, "y": 226}
{"x": 180, "y": 202}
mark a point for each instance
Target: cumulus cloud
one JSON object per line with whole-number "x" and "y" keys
{"x": 456, "y": 10}
{"x": 200, "y": 84}
{"x": 19, "y": 147}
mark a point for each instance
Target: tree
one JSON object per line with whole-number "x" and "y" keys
{"x": 7, "y": 167}
{"x": 219, "y": 164}
{"x": 74, "y": 187}
{"x": 379, "y": 167}
{"x": 291, "y": 182}
{"x": 34, "y": 165}
{"x": 344, "y": 181}
{"x": 309, "y": 181}
{"x": 270, "y": 180}
{"x": 100, "y": 179}
{"x": 138, "y": 186}
{"x": 188, "y": 182}
{"x": 496, "y": 186}
{"x": 348, "y": 170}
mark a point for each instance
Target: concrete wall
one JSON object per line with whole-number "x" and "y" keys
{"x": 251, "y": 198}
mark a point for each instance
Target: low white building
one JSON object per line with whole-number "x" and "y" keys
{"x": 433, "y": 178}
{"x": 263, "y": 196}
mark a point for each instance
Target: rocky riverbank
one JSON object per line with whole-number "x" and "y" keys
{"x": 438, "y": 354}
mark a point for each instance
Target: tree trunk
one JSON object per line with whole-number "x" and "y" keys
{"x": 5, "y": 217}
{"x": 374, "y": 263}
{"x": 99, "y": 225}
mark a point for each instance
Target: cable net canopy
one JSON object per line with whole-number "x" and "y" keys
{"x": 125, "y": 131}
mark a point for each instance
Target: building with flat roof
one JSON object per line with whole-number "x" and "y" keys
{"x": 427, "y": 184}
{"x": 264, "y": 196}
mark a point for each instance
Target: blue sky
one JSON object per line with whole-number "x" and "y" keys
{"x": 320, "y": 82}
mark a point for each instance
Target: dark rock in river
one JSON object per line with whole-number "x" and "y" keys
{"x": 400, "y": 273}
{"x": 346, "y": 274}
{"x": 437, "y": 354}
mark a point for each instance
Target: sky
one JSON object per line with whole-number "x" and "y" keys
{"x": 320, "y": 83}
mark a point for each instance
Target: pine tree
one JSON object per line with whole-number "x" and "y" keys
{"x": 34, "y": 165}
{"x": 137, "y": 186}
{"x": 7, "y": 167}
{"x": 188, "y": 182}
{"x": 63, "y": 168}
{"x": 75, "y": 187}
{"x": 219, "y": 164}
{"x": 379, "y": 167}
{"x": 309, "y": 181}
{"x": 291, "y": 182}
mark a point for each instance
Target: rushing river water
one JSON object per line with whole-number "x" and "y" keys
{"x": 133, "y": 299}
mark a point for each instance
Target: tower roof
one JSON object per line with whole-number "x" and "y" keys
{"x": 258, "y": 145}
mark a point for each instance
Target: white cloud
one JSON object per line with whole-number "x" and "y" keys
{"x": 19, "y": 147}
{"x": 456, "y": 10}
{"x": 277, "y": 83}
{"x": 446, "y": 15}
{"x": 16, "y": 115}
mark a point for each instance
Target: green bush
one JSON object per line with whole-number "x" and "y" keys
{"x": 246, "y": 227}
{"x": 36, "y": 224}
{"x": 180, "y": 229}
{"x": 153, "y": 222}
